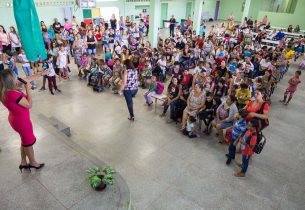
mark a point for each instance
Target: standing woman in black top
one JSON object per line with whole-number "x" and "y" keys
{"x": 113, "y": 23}
{"x": 91, "y": 43}
{"x": 172, "y": 23}
{"x": 129, "y": 85}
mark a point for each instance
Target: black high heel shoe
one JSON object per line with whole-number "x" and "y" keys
{"x": 40, "y": 166}
{"x": 131, "y": 118}
{"x": 21, "y": 167}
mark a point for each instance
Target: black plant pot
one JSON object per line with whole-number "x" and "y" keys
{"x": 102, "y": 186}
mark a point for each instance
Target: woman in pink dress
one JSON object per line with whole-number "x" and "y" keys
{"x": 18, "y": 105}
{"x": 293, "y": 84}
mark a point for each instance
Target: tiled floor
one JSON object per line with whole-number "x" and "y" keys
{"x": 163, "y": 169}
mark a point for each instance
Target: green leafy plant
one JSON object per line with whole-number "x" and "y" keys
{"x": 95, "y": 174}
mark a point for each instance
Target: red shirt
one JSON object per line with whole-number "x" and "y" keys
{"x": 247, "y": 150}
{"x": 199, "y": 41}
{"x": 255, "y": 109}
{"x": 186, "y": 79}
{"x": 98, "y": 36}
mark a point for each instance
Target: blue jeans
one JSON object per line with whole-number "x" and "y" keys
{"x": 245, "y": 160}
{"x": 172, "y": 106}
{"x": 90, "y": 51}
{"x": 1, "y": 66}
{"x": 15, "y": 70}
{"x": 129, "y": 94}
{"x": 28, "y": 72}
{"x": 232, "y": 149}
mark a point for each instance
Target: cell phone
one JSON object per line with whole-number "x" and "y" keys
{"x": 22, "y": 80}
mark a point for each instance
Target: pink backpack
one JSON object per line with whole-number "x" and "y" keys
{"x": 110, "y": 63}
{"x": 160, "y": 88}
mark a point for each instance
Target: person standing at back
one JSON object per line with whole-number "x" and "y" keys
{"x": 56, "y": 27}
{"x": 172, "y": 24}
{"x": 129, "y": 85}
{"x": 113, "y": 23}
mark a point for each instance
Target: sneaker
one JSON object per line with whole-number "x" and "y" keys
{"x": 58, "y": 90}
{"x": 239, "y": 174}
{"x": 52, "y": 92}
{"x": 42, "y": 89}
{"x": 228, "y": 161}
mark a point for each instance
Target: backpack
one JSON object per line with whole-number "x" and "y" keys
{"x": 260, "y": 142}
{"x": 160, "y": 88}
{"x": 262, "y": 123}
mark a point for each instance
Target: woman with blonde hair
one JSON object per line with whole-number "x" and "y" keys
{"x": 18, "y": 105}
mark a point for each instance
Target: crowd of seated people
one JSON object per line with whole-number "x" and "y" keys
{"x": 210, "y": 78}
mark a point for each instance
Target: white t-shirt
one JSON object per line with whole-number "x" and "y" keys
{"x": 14, "y": 38}
{"x": 162, "y": 64}
{"x": 62, "y": 56}
{"x": 51, "y": 70}
{"x": 22, "y": 58}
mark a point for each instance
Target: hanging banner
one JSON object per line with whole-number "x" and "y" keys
{"x": 29, "y": 29}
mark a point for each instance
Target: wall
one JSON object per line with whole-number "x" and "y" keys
{"x": 255, "y": 7}
{"x": 285, "y": 19}
{"x": 46, "y": 14}
{"x": 228, "y": 6}
{"x": 176, "y": 8}
{"x": 208, "y": 9}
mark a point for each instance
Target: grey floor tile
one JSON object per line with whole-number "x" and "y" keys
{"x": 171, "y": 200}
{"x": 144, "y": 189}
{"x": 32, "y": 196}
{"x": 67, "y": 182}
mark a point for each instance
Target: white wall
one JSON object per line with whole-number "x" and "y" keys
{"x": 176, "y": 8}
{"x": 46, "y": 14}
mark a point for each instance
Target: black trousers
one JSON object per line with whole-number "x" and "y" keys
{"x": 171, "y": 31}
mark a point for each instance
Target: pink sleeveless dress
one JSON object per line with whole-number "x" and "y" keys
{"x": 19, "y": 117}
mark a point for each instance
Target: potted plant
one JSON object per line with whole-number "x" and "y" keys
{"x": 99, "y": 178}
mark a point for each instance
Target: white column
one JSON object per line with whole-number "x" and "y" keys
{"x": 197, "y": 15}
{"x": 246, "y": 10}
{"x": 154, "y": 18}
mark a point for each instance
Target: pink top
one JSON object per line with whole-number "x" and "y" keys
{"x": 293, "y": 84}
{"x": 84, "y": 62}
{"x": 67, "y": 26}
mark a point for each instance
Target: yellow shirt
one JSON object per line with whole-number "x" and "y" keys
{"x": 289, "y": 55}
{"x": 243, "y": 96}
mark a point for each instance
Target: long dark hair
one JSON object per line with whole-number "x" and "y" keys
{"x": 128, "y": 63}
{"x": 7, "y": 82}
{"x": 14, "y": 30}
{"x": 4, "y": 31}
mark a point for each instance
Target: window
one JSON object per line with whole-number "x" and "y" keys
{"x": 281, "y": 6}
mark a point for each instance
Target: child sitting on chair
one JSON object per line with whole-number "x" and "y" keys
{"x": 151, "y": 91}
{"x": 106, "y": 73}
{"x": 84, "y": 66}
{"x": 146, "y": 74}
{"x": 92, "y": 65}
